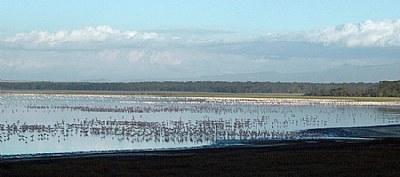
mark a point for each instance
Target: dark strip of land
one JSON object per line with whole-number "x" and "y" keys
{"x": 296, "y": 158}
{"x": 381, "y": 89}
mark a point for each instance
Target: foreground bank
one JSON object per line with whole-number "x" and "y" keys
{"x": 296, "y": 158}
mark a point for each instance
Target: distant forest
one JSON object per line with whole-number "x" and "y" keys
{"x": 383, "y": 88}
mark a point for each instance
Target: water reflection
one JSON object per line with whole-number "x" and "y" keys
{"x": 64, "y": 123}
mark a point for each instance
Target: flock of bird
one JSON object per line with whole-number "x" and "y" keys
{"x": 212, "y": 126}
{"x": 178, "y": 131}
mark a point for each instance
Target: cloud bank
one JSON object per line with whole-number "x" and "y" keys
{"x": 89, "y": 34}
{"x": 385, "y": 33}
{"x": 126, "y": 55}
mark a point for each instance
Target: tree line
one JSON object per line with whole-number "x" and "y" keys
{"x": 389, "y": 88}
{"x": 384, "y": 88}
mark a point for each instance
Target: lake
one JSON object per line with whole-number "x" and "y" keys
{"x": 56, "y": 123}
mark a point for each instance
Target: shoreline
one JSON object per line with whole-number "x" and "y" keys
{"x": 236, "y": 144}
{"x": 333, "y": 135}
{"x": 267, "y": 99}
{"x": 298, "y": 158}
{"x": 198, "y": 95}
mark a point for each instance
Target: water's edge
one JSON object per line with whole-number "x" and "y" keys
{"x": 341, "y": 134}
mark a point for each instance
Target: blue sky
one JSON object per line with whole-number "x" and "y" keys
{"x": 253, "y": 17}
{"x": 182, "y": 39}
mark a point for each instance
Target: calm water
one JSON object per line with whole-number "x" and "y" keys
{"x": 69, "y": 123}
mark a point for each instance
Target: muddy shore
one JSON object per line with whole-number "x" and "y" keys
{"x": 288, "y": 158}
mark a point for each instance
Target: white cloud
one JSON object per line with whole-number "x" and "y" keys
{"x": 108, "y": 55}
{"x": 135, "y": 56}
{"x": 22, "y": 65}
{"x": 385, "y": 33}
{"x": 105, "y": 52}
{"x": 86, "y": 35}
{"x": 164, "y": 57}
{"x": 149, "y": 57}
{"x": 106, "y": 37}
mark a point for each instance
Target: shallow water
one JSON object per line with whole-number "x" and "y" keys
{"x": 70, "y": 123}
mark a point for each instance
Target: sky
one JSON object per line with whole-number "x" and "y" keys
{"x": 115, "y": 41}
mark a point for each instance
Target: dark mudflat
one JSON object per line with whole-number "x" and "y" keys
{"x": 296, "y": 158}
